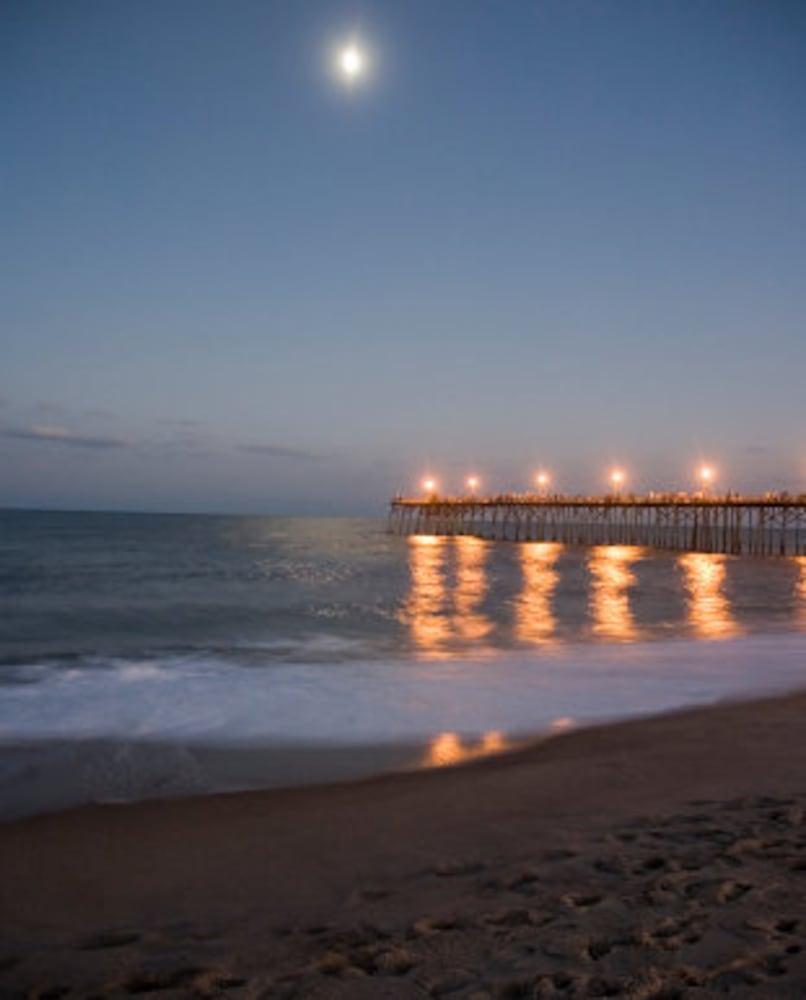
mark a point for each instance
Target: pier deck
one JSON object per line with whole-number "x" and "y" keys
{"x": 769, "y": 525}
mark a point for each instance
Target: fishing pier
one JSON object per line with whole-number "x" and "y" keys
{"x": 734, "y": 525}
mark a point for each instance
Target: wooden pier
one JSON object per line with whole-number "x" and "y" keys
{"x": 763, "y": 526}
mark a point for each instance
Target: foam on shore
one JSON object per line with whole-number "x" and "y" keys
{"x": 134, "y": 729}
{"x": 209, "y": 699}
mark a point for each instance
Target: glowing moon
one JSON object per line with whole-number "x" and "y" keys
{"x": 351, "y": 63}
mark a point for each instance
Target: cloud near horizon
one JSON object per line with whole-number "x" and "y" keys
{"x": 61, "y": 435}
{"x": 280, "y": 451}
{"x": 179, "y": 423}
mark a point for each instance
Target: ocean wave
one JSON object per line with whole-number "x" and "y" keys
{"x": 208, "y": 698}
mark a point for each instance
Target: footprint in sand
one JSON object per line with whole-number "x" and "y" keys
{"x": 580, "y": 901}
{"x": 193, "y": 978}
{"x": 374, "y": 893}
{"x": 522, "y": 882}
{"x": 515, "y": 918}
{"x": 111, "y": 939}
{"x": 429, "y": 926}
{"x": 453, "y": 867}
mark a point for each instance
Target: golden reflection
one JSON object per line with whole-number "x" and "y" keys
{"x": 438, "y": 614}
{"x": 493, "y": 742}
{"x": 471, "y": 587}
{"x": 610, "y": 601}
{"x": 535, "y": 622}
{"x": 425, "y": 611}
{"x": 447, "y": 748}
{"x": 709, "y": 611}
{"x": 444, "y": 749}
{"x": 801, "y": 587}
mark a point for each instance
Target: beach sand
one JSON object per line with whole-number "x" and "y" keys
{"x": 657, "y": 858}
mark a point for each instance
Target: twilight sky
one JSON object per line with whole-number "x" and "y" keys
{"x": 540, "y": 232}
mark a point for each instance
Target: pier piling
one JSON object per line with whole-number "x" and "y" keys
{"x": 765, "y": 526}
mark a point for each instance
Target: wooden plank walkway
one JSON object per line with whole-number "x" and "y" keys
{"x": 769, "y": 525}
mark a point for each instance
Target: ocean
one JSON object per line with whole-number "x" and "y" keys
{"x": 145, "y": 654}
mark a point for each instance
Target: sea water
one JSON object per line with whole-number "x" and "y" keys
{"x": 147, "y": 654}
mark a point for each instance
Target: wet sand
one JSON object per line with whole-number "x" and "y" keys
{"x": 657, "y": 858}
{"x": 47, "y": 776}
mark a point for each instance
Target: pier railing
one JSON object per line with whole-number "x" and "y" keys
{"x": 770, "y": 525}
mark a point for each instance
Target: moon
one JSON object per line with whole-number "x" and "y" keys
{"x": 351, "y": 62}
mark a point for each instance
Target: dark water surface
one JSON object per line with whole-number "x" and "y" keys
{"x": 76, "y": 585}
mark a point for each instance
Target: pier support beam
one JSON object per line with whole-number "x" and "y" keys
{"x": 730, "y": 525}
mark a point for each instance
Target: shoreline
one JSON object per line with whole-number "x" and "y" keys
{"x": 618, "y": 841}
{"x": 266, "y": 735}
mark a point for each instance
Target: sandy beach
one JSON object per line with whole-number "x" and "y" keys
{"x": 656, "y": 858}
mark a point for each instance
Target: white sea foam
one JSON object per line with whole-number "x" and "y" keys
{"x": 134, "y": 672}
{"x": 210, "y": 699}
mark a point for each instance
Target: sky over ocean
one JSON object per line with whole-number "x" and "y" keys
{"x": 535, "y": 234}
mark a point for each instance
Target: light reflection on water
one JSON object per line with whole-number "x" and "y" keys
{"x": 800, "y": 590}
{"x": 449, "y": 748}
{"x": 440, "y": 611}
{"x": 438, "y": 614}
{"x": 611, "y": 580}
{"x": 470, "y": 595}
{"x": 425, "y": 610}
{"x": 471, "y": 588}
{"x": 535, "y": 621}
{"x": 709, "y": 610}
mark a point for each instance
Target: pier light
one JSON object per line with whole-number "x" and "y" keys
{"x": 617, "y": 479}
{"x": 430, "y": 485}
{"x": 542, "y": 479}
{"x": 472, "y": 483}
{"x": 706, "y": 474}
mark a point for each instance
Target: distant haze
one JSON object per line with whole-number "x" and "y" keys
{"x": 533, "y": 234}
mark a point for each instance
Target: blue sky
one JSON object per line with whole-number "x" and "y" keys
{"x": 538, "y": 233}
